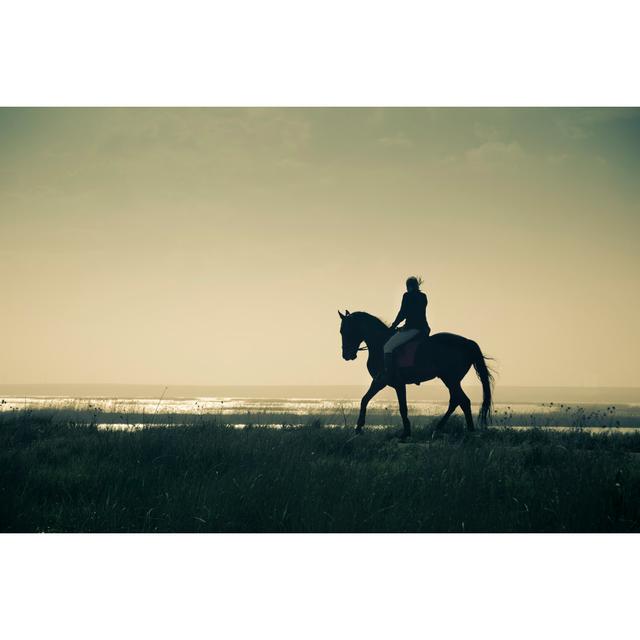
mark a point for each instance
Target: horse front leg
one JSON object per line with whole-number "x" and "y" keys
{"x": 401, "y": 392}
{"x": 376, "y": 385}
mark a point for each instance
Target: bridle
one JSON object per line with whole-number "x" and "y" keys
{"x": 365, "y": 348}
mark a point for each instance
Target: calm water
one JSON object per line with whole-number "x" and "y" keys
{"x": 127, "y": 412}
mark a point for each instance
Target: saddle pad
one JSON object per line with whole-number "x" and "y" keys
{"x": 407, "y": 354}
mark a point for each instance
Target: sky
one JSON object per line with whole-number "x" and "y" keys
{"x": 215, "y": 246}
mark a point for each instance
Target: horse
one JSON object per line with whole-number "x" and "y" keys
{"x": 442, "y": 355}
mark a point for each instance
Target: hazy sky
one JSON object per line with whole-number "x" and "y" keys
{"x": 215, "y": 246}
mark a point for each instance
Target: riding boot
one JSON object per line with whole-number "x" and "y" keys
{"x": 388, "y": 365}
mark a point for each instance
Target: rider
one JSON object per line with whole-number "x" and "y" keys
{"x": 414, "y": 312}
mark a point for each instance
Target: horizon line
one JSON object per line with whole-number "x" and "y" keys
{"x": 295, "y": 385}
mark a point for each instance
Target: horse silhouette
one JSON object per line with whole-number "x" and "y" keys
{"x": 443, "y": 355}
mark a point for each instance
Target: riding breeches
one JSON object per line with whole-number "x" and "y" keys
{"x": 399, "y": 338}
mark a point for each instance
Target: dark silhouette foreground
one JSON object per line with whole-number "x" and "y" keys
{"x": 444, "y": 355}
{"x": 60, "y": 473}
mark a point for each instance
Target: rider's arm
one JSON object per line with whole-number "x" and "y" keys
{"x": 401, "y": 314}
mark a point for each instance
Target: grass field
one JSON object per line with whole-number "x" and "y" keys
{"x": 65, "y": 476}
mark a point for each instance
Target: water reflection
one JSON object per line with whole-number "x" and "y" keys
{"x": 121, "y": 413}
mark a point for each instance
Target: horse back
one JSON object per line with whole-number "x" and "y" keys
{"x": 442, "y": 350}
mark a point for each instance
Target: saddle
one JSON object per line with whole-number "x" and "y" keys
{"x": 405, "y": 355}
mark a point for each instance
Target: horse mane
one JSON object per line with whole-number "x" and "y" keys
{"x": 368, "y": 316}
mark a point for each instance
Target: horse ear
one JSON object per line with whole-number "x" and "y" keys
{"x": 341, "y": 315}
{"x": 348, "y": 312}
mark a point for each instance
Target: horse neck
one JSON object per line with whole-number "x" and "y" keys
{"x": 374, "y": 333}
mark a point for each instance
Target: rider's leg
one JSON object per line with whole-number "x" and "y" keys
{"x": 389, "y": 346}
{"x": 395, "y": 341}
{"x": 388, "y": 363}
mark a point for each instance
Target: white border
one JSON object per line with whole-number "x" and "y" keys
{"x": 318, "y": 586}
{"x": 334, "y": 52}
{"x": 328, "y": 53}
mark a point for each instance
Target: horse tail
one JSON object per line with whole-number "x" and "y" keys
{"x": 486, "y": 378}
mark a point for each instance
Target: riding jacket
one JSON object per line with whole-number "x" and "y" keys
{"x": 413, "y": 311}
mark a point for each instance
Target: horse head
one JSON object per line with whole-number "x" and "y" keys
{"x": 351, "y": 335}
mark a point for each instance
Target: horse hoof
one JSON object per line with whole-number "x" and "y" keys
{"x": 359, "y": 431}
{"x": 403, "y": 436}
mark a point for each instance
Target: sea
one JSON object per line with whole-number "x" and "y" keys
{"x": 119, "y": 406}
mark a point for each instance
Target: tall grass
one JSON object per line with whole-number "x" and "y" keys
{"x": 207, "y": 477}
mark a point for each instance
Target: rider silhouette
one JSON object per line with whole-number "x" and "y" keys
{"x": 414, "y": 312}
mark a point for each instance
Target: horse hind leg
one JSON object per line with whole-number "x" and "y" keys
{"x": 465, "y": 404}
{"x": 458, "y": 398}
{"x": 453, "y": 404}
